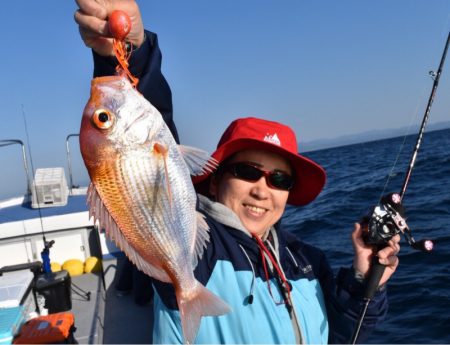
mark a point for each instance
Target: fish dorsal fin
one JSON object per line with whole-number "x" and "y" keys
{"x": 198, "y": 161}
{"x": 100, "y": 213}
{"x": 201, "y": 237}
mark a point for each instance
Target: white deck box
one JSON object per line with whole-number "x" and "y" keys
{"x": 49, "y": 188}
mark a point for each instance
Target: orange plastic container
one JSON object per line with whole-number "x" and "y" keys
{"x": 48, "y": 329}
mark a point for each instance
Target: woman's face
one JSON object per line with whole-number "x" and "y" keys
{"x": 257, "y": 205}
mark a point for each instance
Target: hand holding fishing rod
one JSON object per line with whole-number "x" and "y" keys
{"x": 367, "y": 256}
{"x": 382, "y": 229}
{"x": 387, "y": 219}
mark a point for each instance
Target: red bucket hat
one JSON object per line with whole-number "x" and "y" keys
{"x": 253, "y": 133}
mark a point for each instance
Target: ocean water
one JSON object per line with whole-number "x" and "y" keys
{"x": 357, "y": 175}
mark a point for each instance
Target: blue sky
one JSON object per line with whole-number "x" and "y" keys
{"x": 326, "y": 68}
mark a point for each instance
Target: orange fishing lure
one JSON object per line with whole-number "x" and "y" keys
{"x": 120, "y": 25}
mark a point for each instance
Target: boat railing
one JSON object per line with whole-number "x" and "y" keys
{"x": 7, "y": 142}
{"x": 69, "y": 162}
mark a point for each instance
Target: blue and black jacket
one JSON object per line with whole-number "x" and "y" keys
{"x": 231, "y": 267}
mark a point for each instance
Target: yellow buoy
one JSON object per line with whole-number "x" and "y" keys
{"x": 75, "y": 267}
{"x": 92, "y": 264}
{"x": 56, "y": 266}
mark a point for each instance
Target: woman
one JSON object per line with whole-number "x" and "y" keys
{"x": 280, "y": 289}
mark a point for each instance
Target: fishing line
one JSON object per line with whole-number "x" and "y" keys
{"x": 412, "y": 119}
{"x": 415, "y": 115}
{"x": 33, "y": 172}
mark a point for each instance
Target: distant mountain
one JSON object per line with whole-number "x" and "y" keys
{"x": 368, "y": 136}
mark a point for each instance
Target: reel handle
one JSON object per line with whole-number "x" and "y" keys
{"x": 423, "y": 245}
{"x": 376, "y": 272}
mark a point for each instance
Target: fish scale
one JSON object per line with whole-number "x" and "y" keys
{"x": 145, "y": 215}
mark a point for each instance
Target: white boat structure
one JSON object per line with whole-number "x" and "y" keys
{"x": 56, "y": 211}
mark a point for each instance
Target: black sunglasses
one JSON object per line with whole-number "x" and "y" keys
{"x": 248, "y": 172}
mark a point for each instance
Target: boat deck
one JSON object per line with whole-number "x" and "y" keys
{"x": 107, "y": 318}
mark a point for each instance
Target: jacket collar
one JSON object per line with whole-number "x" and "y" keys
{"x": 224, "y": 215}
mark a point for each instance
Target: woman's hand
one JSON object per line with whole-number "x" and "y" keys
{"x": 92, "y": 20}
{"x": 364, "y": 253}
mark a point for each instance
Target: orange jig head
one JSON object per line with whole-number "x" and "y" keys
{"x": 119, "y": 24}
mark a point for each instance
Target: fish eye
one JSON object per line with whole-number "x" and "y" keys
{"x": 103, "y": 118}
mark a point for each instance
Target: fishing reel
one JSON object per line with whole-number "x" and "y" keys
{"x": 387, "y": 220}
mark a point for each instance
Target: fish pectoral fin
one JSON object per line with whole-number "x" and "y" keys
{"x": 161, "y": 149}
{"x": 198, "y": 161}
{"x": 200, "y": 239}
{"x": 164, "y": 150}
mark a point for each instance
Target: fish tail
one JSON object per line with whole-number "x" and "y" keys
{"x": 191, "y": 311}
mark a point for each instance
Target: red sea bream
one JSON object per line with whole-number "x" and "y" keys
{"x": 142, "y": 195}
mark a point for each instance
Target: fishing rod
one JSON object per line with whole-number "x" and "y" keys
{"x": 388, "y": 218}
{"x": 45, "y": 253}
